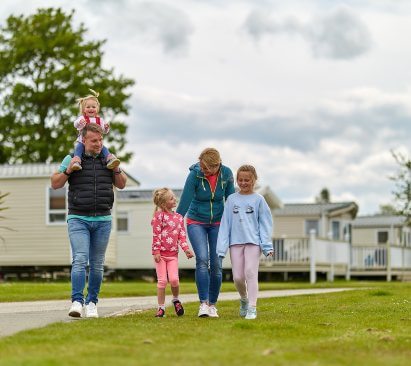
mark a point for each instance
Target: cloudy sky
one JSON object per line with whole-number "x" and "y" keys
{"x": 314, "y": 93}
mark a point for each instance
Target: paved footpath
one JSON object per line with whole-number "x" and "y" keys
{"x": 19, "y": 316}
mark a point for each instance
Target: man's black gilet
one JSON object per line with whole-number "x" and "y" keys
{"x": 91, "y": 189}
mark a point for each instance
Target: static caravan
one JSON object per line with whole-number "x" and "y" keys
{"x": 36, "y": 215}
{"x": 329, "y": 220}
{"x": 134, "y": 236}
{"x": 381, "y": 230}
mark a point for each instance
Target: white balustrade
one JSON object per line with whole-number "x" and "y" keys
{"x": 313, "y": 252}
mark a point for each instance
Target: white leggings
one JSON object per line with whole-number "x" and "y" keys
{"x": 245, "y": 259}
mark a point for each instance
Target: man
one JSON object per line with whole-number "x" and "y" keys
{"x": 90, "y": 200}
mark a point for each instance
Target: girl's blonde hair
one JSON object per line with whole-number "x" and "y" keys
{"x": 160, "y": 198}
{"x": 249, "y": 169}
{"x": 82, "y": 101}
{"x": 210, "y": 157}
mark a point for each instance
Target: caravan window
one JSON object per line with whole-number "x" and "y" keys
{"x": 382, "y": 237}
{"x": 122, "y": 222}
{"x": 311, "y": 224}
{"x": 335, "y": 228}
{"x": 56, "y": 206}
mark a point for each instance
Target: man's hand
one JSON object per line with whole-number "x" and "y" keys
{"x": 75, "y": 159}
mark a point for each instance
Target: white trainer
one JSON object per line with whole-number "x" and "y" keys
{"x": 212, "y": 312}
{"x": 251, "y": 313}
{"x": 243, "y": 307}
{"x": 76, "y": 309}
{"x": 91, "y": 310}
{"x": 203, "y": 312}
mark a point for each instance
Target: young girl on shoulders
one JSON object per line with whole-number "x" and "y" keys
{"x": 246, "y": 229}
{"x": 168, "y": 234}
{"x": 89, "y": 109}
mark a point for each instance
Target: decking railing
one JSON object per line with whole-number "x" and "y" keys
{"x": 288, "y": 251}
{"x": 336, "y": 257}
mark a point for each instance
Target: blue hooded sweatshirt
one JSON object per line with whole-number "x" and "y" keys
{"x": 197, "y": 199}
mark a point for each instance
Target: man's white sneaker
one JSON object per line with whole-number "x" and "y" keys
{"x": 204, "y": 310}
{"x": 76, "y": 310}
{"x": 212, "y": 312}
{"x": 91, "y": 310}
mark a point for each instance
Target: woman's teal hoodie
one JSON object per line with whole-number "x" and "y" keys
{"x": 197, "y": 199}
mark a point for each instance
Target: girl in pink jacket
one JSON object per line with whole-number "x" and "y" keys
{"x": 168, "y": 234}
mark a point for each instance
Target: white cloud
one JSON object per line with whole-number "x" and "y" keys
{"x": 346, "y": 149}
{"x": 339, "y": 34}
{"x": 152, "y": 23}
{"x": 305, "y": 122}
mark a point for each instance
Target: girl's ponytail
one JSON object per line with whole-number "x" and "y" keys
{"x": 81, "y": 101}
{"x": 160, "y": 198}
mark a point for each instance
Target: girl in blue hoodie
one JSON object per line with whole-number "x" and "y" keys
{"x": 208, "y": 185}
{"x": 246, "y": 228}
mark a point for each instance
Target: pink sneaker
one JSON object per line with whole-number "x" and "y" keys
{"x": 178, "y": 307}
{"x": 161, "y": 313}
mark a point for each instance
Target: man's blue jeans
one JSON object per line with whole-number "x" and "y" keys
{"x": 89, "y": 240}
{"x": 203, "y": 238}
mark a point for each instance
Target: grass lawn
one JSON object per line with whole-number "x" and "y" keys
{"x": 369, "y": 326}
{"x": 31, "y": 291}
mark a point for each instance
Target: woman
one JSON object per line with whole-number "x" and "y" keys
{"x": 208, "y": 185}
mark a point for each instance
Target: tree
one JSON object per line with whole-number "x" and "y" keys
{"x": 402, "y": 179}
{"x": 323, "y": 197}
{"x": 45, "y": 65}
{"x": 387, "y": 209}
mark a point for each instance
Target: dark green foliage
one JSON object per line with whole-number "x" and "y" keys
{"x": 387, "y": 209}
{"x": 402, "y": 192}
{"x": 324, "y": 196}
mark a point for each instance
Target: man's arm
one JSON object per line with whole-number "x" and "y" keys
{"x": 59, "y": 178}
{"x": 120, "y": 178}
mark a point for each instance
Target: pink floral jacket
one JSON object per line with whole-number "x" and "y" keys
{"x": 168, "y": 233}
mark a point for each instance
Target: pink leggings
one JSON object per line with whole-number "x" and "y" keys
{"x": 245, "y": 259}
{"x": 167, "y": 268}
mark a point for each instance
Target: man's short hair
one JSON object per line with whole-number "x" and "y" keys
{"x": 92, "y": 127}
